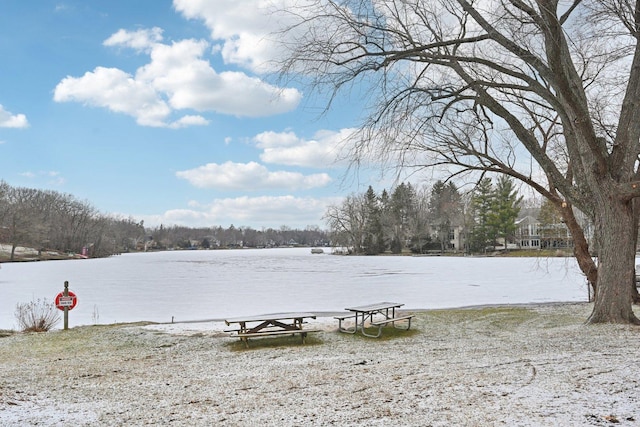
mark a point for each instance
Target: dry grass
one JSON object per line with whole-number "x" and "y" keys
{"x": 37, "y": 316}
{"x": 494, "y": 366}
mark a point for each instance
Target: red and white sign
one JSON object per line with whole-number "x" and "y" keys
{"x": 66, "y": 301}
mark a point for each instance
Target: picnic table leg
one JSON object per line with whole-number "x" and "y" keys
{"x": 408, "y": 325}
{"x": 243, "y": 329}
{"x": 257, "y": 328}
{"x": 361, "y": 323}
{"x": 362, "y": 329}
{"x": 294, "y": 327}
{"x": 297, "y": 324}
{"x": 401, "y": 327}
{"x": 372, "y": 335}
{"x": 348, "y": 330}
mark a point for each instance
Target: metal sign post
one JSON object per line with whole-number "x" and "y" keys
{"x": 66, "y": 308}
{"x": 65, "y": 301}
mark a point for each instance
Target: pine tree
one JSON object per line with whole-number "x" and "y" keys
{"x": 481, "y": 204}
{"x": 402, "y": 209}
{"x": 374, "y": 238}
{"x": 505, "y": 208}
{"x": 445, "y": 210}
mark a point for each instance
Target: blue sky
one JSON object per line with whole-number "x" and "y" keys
{"x": 165, "y": 111}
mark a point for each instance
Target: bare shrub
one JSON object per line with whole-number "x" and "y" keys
{"x": 37, "y": 316}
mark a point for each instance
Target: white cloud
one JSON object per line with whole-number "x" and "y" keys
{"x": 187, "y": 121}
{"x": 250, "y": 176}
{"x": 141, "y": 40}
{"x": 10, "y": 120}
{"x": 176, "y": 78}
{"x": 52, "y": 178}
{"x": 244, "y": 27}
{"x": 256, "y": 212}
{"x": 179, "y": 71}
{"x": 118, "y": 91}
{"x": 325, "y": 149}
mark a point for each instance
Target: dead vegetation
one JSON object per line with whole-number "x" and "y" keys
{"x": 519, "y": 365}
{"x": 37, "y": 316}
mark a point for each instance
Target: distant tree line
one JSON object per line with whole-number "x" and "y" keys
{"x": 49, "y": 220}
{"x": 52, "y": 221}
{"x": 423, "y": 220}
{"x": 404, "y": 218}
{"x": 179, "y": 237}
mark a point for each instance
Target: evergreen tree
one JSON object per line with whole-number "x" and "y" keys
{"x": 402, "y": 209}
{"x": 445, "y": 210}
{"x": 505, "y": 208}
{"x": 420, "y": 237}
{"x": 481, "y": 204}
{"x": 373, "y": 233}
{"x": 386, "y": 219}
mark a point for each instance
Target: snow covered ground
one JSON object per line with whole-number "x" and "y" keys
{"x": 524, "y": 366}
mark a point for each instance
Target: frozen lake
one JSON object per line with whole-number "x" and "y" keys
{"x": 199, "y": 285}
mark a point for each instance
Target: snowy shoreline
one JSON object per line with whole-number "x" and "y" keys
{"x": 528, "y": 365}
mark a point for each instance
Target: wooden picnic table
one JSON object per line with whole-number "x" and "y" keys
{"x": 375, "y": 315}
{"x": 271, "y": 324}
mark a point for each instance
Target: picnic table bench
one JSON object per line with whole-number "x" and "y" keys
{"x": 376, "y": 315}
{"x": 270, "y": 325}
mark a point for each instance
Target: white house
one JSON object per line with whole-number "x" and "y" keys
{"x": 527, "y": 235}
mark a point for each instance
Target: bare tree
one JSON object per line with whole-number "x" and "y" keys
{"x": 347, "y": 223}
{"x": 543, "y": 91}
{"x": 21, "y": 217}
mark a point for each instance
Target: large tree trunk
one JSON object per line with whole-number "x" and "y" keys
{"x": 614, "y": 228}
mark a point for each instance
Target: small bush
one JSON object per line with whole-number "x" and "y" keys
{"x": 37, "y": 316}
